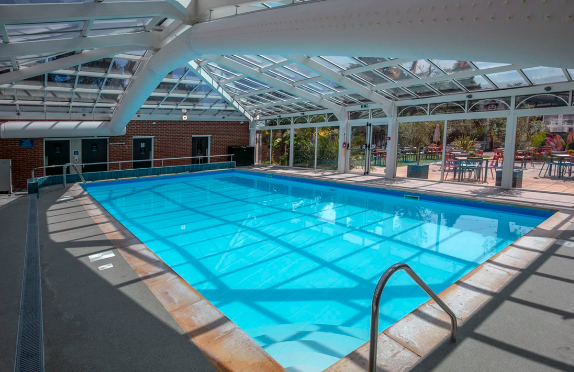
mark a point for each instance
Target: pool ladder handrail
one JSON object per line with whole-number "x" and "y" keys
{"x": 77, "y": 171}
{"x": 376, "y": 304}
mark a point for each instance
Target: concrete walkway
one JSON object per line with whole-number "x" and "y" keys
{"x": 94, "y": 320}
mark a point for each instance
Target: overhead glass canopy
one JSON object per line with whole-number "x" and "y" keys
{"x": 262, "y": 85}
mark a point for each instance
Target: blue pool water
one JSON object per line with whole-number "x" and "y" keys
{"x": 294, "y": 264}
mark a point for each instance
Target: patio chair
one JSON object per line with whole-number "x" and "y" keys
{"x": 493, "y": 164}
{"x": 450, "y": 164}
{"x": 471, "y": 166}
{"x": 549, "y": 164}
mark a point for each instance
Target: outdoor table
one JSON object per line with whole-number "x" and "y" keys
{"x": 560, "y": 158}
{"x": 460, "y": 170}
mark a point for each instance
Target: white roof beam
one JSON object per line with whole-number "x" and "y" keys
{"x": 459, "y": 75}
{"x": 4, "y": 34}
{"x": 307, "y": 81}
{"x": 43, "y": 13}
{"x": 141, "y": 40}
{"x": 338, "y": 94}
{"x": 235, "y": 78}
{"x": 256, "y": 92}
{"x": 276, "y": 103}
{"x": 275, "y": 65}
{"x": 58, "y": 64}
{"x": 215, "y": 85}
{"x": 87, "y": 27}
{"x": 342, "y": 80}
{"x": 153, "y": 22}
{"x": 220, "y": 60}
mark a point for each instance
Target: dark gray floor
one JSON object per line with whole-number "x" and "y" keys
{"x": 93, "y": 320}
{"x": 528, "y": 327}
{"x": 13, "y": 224}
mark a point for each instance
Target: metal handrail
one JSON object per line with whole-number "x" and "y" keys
{"x": 376, "y": 304}
{"x": 129, "y": 161}
{"x": 79, "y": 174}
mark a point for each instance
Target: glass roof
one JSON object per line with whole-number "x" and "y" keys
{"x": 264, "y": 85}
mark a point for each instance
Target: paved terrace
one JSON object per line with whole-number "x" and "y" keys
{"x": 110, "y": 321}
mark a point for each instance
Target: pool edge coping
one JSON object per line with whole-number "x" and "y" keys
{"x": 401, "y": 345}
{"x": 224, "y": 344}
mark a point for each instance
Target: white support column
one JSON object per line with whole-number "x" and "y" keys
{"x": 443, "y": 160}
{"x": 343, "y": 133}
{"x": 291, "y": 146}
{"x": 252, "y": 134}
{"x": 392, "y": 144}
{"x": 509, "y": 144}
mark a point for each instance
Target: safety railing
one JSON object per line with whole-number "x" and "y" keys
{"x": 79, "y": 174}
{"x": 376, "y": 304}
{"x": 126, "y": 161}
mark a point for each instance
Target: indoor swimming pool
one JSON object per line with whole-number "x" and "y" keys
{"x": 294, "y": 262}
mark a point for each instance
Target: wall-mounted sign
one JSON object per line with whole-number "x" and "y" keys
{"x": 27, "y": 143}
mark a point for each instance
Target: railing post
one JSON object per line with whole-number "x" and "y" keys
{"x": 64, "y": 175}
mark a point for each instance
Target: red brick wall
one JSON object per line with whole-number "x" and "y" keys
{"x": 172, "y": 139}
{"x": 23, "y": 159}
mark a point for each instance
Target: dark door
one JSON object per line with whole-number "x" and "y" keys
{"x": 200, "y": 147}
{"x": 142, "y": 151}
{"x": 95, "y": 150}
{"x": 57, "y": 152}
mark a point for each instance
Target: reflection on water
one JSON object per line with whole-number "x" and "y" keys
{"x": 295, "y": 265}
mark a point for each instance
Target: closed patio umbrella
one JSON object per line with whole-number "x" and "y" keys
{"x": 436, "y": 137}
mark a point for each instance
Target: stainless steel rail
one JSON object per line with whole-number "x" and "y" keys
{"x": 79, "y": 174}
{"x": 129, "y": 161}
{"x": 376, "y": 304}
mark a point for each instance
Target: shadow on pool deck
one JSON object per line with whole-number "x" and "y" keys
{"x": 527, "y": 326}
{"x": 96, "y": 320}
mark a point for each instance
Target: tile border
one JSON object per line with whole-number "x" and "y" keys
{"x": 225, "y": 345}
{"x": 400, "y": 346}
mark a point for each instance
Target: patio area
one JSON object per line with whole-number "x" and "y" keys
{"x": 532, "y": 178}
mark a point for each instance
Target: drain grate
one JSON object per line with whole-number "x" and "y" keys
{"x": 30, "y": 342}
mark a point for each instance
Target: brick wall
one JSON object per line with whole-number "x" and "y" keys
{"x": 23, "y": 159}
{"x": 172, "y": 139}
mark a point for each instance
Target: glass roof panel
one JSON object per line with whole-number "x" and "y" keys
{"x": 60, "y": 80}
{"x": 447, "y": 87}
{"x": 44, "y": 31}
{"x": 118, "y": 26}
{"x": 274, "y": 59}
{"x": 177, "y": 73}
{"x": 100, "y": 65}
{"x": 422, "y": 68}
{"x": 422, "y": 91}
{"x": 55, "y": 96}
{"x": 90, "y": 82}
{"x": 399, "y": 93}
{"x": 343, "y": 62}
{"x": 116, "y": 84}
{"x": 123, "y": 66}
{"x": 301, "y": 70}
{"x": 450, "y": 67}
{"x": 326, "y": 63}
{"x": 331, "y": 84}
{"x": 319, "y": 88}
{"x": 256, "y": 60}
{"x": 371, "y": 77}
{"x": 476, "y": 83}
{"x": 485, "y": 65}
{"x": 508, "y": 79}
{"x": 544, "y": 75}
{"x": 371, "y": 60}
{"x": 219, "y": 72}
{"x": 287, "y": 74}
{"x": 395, "y": 73}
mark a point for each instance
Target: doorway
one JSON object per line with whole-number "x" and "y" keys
{"x": 94, "y": 150}
{"x": 368, "y": 149}
{"x": 56, "y": 152}
{"x": 142, "y": 150}
{"x": 200, "y": 146}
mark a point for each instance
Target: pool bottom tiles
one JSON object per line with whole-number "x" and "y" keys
{"x": 295, "y": 264}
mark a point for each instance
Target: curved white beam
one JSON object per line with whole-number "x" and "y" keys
{"x": 39, "y": 129}
{"x": 504, "y": 31}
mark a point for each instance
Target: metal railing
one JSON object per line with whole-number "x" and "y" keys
{"x": 376, "y": 304}
{"x": 79, "y": 174}
{"x": 127, "y": 161}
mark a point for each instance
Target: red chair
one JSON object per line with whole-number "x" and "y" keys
{"x": 480, "y": 153}
{"x": 494, "y": 164}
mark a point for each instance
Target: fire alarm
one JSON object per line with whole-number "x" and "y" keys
{"x": 388, "y": 138}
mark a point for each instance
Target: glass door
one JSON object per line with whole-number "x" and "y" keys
{"x": 358, "y": 149}
{"x": 368, "y": 149}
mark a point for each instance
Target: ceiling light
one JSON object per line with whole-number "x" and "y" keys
{"x": 184, "y": 117}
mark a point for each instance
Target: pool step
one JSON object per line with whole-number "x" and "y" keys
{"x": 308, "y": 347}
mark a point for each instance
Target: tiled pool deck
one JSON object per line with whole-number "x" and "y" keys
{"x": 402, "y": 345}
